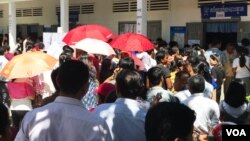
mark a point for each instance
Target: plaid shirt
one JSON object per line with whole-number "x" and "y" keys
{"x": 89, "y": 100}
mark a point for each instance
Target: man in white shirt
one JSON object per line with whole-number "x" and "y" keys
{"x": 147, "y": 60}
{"x": 126, "y": 116}
{"x": 65, "y": 119}
{"x": 207, "y": 110}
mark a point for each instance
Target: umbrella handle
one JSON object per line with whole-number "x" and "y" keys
{"x": 116, "y": 71}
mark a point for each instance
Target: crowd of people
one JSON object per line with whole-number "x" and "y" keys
{"x": 173, "y": 93}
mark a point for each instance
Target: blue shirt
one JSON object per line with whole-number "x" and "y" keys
{"x": 125, "y": 118}
{"x": 65, "y": 119}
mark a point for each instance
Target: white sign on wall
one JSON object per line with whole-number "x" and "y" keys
{"x": 53, "y": 43}
{"x": 192, "y": 42}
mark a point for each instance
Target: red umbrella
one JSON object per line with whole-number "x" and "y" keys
{"x": 132, "y": 42}
{"x": 88, "y": 31}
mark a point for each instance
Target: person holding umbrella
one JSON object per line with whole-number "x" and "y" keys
{"x": 22, "y": 93}
{"x": 22, "y": 70}
{"x": 65, "y": 118}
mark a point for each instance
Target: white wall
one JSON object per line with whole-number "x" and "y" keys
{"x": 180, "y": 12}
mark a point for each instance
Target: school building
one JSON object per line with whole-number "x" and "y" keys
{"x": 181, "y": 20}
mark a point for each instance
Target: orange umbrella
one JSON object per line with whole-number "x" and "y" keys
{"x": 28, "y": 65}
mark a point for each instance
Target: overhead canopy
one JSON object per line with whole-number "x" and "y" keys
{"x": 7, "y": 1}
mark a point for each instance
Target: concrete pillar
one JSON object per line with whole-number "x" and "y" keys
{"x": 64, "y": 15}
{"x": 141, "y": 17}
{"x": 12, "y": 24}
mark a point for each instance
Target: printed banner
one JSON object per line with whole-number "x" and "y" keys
{"x": 224, "y": 10}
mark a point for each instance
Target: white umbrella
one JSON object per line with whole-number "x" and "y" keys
{"x": 95, "y": 46}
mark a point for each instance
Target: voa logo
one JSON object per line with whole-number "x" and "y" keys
{"x": 236, "y": 132}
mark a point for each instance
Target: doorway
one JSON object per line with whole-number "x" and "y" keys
{"x": 224, "y": 31}
{"x": 32, "y": 30}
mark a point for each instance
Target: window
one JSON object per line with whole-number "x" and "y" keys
{"x": 131, "y": 5}
{"x": 158, "y": 5}
{"x": 125, "y": 27}
{"x": 37, "y": 12}
{"x": 29, "y": 12}
{"x": 1, "y": 13}
{"x": 120, "y": 6}
{"x": 86, "y": 8}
